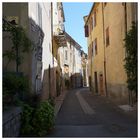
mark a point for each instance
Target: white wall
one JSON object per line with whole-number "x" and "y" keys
{"x": 46, "y": 28}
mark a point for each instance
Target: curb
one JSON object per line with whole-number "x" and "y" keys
{"x": 58, "y": 102}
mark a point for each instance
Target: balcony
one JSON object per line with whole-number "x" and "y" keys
{"x": 59, "y": 34}
{"x": 59, "y": 29}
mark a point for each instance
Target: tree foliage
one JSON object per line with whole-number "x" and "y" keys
{"x": 131, "y": 47}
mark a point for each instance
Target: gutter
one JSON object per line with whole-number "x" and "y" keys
{"x": 104, "y": 52}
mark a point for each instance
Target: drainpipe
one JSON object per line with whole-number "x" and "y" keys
{"x": 104, "y": 51}
{"x": 125, "y": 15}
{"x": 52, "y": 31}
{"x": 50, "y": 75}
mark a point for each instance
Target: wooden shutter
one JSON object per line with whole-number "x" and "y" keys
{"x": 107, "y": 36}
{"x": 94, "y": 18}
{"x": 86, "y": 31}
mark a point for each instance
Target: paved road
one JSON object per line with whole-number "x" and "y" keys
{"x": 85, "y": 115}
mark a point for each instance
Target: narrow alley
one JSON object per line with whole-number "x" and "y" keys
{"x": 85, "y": 115}
{"x": 69, "y": 69}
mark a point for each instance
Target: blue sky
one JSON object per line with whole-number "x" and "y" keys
{"x": 74, "y": 23}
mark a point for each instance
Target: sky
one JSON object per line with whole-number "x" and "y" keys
{"x": 74, "y": 22}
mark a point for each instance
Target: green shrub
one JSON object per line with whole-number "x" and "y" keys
{"x": 26, "y": 120}
{"x": 14, "y": 86}
{"x": 37, "y": 121}
{"x": 13, "y": 83}
{"x": 43, "y": 120}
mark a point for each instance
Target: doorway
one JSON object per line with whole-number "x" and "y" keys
{"x": 101, "y": 84}
{"x": 96, "y": 82}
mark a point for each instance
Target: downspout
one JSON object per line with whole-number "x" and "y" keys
{"x": 104, "y": 52}
{"x": 50, "y": 76}
{"x": 52, "y": 31}
{"x": 91, "y": 47}
{"x": 125, "y": 15}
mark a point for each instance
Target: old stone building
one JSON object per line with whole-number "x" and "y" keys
{"x": 59, "y": 41}
{"x": 70, "y": 58}
{"x": 38, "y": 62}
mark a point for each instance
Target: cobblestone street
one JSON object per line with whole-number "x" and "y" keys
{"x": 84, "y": 115}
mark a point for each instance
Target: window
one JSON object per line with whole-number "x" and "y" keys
{"x": 66, "y": 55}
{"x": 92, "y": 48}
{"x": 94, "y": 19}
{"x": 91, "y": 23}
{"x": 86, "y": 31}
{"x": 107, "y": 37}
{"x": 105, "y": 3}
{"x": 95, "y": 46}
{"x": 88, "y": 51}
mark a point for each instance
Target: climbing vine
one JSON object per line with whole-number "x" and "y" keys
{"x": 20, "y": 43}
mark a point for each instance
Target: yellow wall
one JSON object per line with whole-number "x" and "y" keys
{"x": 98, "y": 59}
{"x": 114, "y": 18}
{"x": 115, "y": 52}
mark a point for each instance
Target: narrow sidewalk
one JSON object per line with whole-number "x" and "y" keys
{"x": 59, "y": 101}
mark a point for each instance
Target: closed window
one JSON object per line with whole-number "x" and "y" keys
{"x": 92, "y": 48}
{"x": 95, "y": 46}
{"x": 91, "y": 23}
{"x": 105, "y": 3}
{"x": 86, "y": 31}
{"x": 66, "y": 55}
{"x": 107, "y": 37}
{"x": 88, "y": 51}
{"x": 94, "y": 19}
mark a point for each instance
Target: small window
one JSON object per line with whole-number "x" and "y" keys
{"x": 105, "y": 3}
{"x": 95, "y": 42}
{"x": 107, "y": 37}
{"x": 94, "y": 19}
{"x": 91, "y": 23}
{"x": 92, "y": 48}
{"x": 66, "y": 55}
{"x": 86, "y": 31}
{"x": 88, "y": 51}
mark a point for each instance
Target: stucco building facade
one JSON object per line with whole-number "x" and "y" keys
{"x": 105, "y": 27}
{"x": 36, "y": 19}
{"x": 70, "y": 58}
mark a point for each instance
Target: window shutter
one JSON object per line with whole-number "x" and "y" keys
{"x": 107, "y": 36}
{"x": 86, "y": 31}
{"x": 94, "y": 18}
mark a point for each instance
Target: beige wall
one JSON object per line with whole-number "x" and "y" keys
{"x": 96, "y": 61}
{"x": 114, "y": 18}
{"x": 115, "y": 52}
